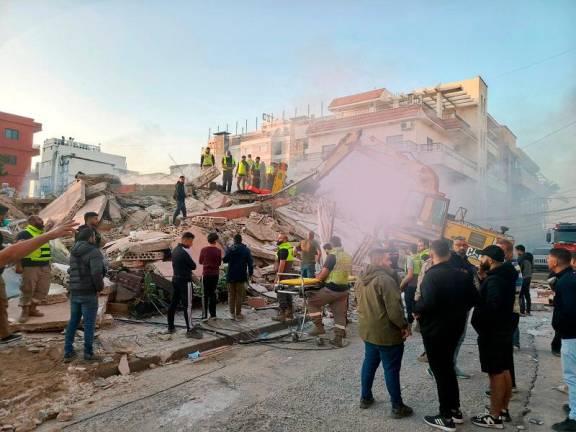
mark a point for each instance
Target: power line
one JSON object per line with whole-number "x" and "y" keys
{"x": 537, "y": 62}
{"x": 573, "y": 122}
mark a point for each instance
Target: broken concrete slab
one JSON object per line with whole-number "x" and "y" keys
{"x": 66, "y": 205}
{"x": 56, "y": 316}
{"x": 114, "y": 209}
{"x": 96, "y": 189}
{"x": 13, "y": 211}
{"x": 205, "y": 177}
{"x": 244, "y": 210}
{"x": 56, "y": 294}
{"x": 156, "y": 211}
{"x": 97, "y": 205}
{"x": 136, "y": 219}
{"x": 260, "y": 231}
{"x": 208, "y": 221}
{"x": 140, "y": 242}
{"x": 217, "y": 200}
{"x": 123, "y": 366}
{"x": 194, "y": 206}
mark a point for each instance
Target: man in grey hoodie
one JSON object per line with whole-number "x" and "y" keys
{"x": 86, "y": 281}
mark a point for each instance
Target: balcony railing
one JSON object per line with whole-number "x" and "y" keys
{"x": 443, "y": 148}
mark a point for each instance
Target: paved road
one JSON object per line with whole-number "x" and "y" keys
{"x": 276, "y": 389}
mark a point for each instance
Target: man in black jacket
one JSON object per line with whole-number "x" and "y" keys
{"x": 564, "y": 323}
{"x": 183, "y": 265}
{"x": 493, "y": 321}
{"x": 180, "y": 197}
{"x": 91, "y": 220}
{"x": 447, "y": 294}
{"x": 240, "y": 270}
{"x": 86, "y": 281}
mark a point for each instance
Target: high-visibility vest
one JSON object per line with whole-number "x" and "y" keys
{"x": 342, "y": 269}
{"x": 270, "y": 170}
{"x": 242, "y": 167}
{"x": 256, "y": 168}
{"x": 228, "y": 163}
{"x": 418, "y": 260}
{"x": 290, "y": 250}
{"x": 207, "y": 161}
{"x": 250, "y": 163}
{"x": 42, "y": 254}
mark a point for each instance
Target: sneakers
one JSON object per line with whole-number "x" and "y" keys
{"x": 439, "y": 422}
{"x": 402, "y": 411}
{"x": 487, "y": 421}
{"x": 504, "y": 415}
{"x": 366, "y": 403}
{"x": 461, "y": 375}
{"x": 194, "y": 334}
{"x": 556, "y": 353}
{"x": 92, "y": 357}
{"x": 10, "y": 338}
{"x": 69, "y": 357}
{"x": 567, "y": 425}
{"x": 457, "y": 417}
{"x": 566, "y": 408}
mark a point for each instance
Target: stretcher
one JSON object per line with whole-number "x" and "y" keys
{"x": 296, "y": 285}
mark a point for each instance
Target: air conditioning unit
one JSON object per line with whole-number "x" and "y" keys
{"x": 407, "y": 125}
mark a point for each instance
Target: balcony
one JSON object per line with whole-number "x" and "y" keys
{"x": 442, "y": 155}
{"x": 529, "y": 181}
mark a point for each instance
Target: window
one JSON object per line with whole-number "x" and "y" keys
{"x": 394, "y": 139}
{"x": 11, "y": 133}
{"x": 477, "y": 240}
{"x": 8, "y": 159}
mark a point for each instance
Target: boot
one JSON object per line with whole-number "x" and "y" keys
{"x": 281, "y": 317}
{"x": 24, "y": 315}
{"x": 338, "y": 336}
{"x": 34, "y": 312}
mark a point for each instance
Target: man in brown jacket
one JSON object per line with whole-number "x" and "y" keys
{"x": 383, "y": 328}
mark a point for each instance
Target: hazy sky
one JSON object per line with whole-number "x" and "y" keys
{"x": 148, "y": 78}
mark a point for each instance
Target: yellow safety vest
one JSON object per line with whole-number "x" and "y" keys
{"x": 207, "y": 160}
{"x": 228, "y": 163}
{"x": 256, "y": 168}
{"x": 270, "y": 170}
{"x": 342, "y": 269}
{"x": 290, "y": 250}
{"x": 242, "y": 167}
{"x": 42, "y": 254}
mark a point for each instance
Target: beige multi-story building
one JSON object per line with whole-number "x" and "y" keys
{"x": 447, "y": 127}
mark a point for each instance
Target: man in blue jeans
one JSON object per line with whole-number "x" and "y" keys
{"x": 310, "y": 253}
{"x": 86, "y": 281}
{"x": 564, "y": 323}
{"x": 383, "y": 328}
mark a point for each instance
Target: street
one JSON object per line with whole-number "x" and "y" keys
{"x": 295, "y": 387}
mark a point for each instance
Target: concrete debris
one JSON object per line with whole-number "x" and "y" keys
{"x": 156, "y": 211}
{"x": 123, "y": 366}
{"x": 217, "y": 200}
{"x": 96, "y": 189}
{"x": 66, "y": 205}
{"x": 65, "y": 416}
{"x": 205, "y": 177}
{"x": 97, "y": 205}
{"x": 261, "y": 231}
{"x": 135, "y": 220}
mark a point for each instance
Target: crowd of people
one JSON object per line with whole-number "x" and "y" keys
{"x": 247, "y": 171}
{"x": 441, "y": 289}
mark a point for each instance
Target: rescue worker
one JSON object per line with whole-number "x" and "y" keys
{"x": 35, "y": 270}
{"x": 207, "y": 159}
{"x": 413, "y": 269}
{"x": 250, "y": 163}
{"x": 334, "y": 274}
{"x": 285, "y": 256}
{"x": 255, "y": 173}
{"x": 228, "y": 164}
{"x": 241, "y": 173}
{"x": 270, "y": 175}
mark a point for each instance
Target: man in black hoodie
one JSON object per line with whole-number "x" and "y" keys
{"x": 447, "y": 294}
{"x": 180, "y": 197}
{"x": 240, "y": 270}
{"x": 564, "y": 323}
{"x": 86, "y": 281}
{"x": 183, "y": 265}
{"x": 493, "y": 321}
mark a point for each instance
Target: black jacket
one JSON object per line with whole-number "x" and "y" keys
{"x": 493, "y": 315}
{"x": 182, "y": 264}
{"x": 240, "y": 265}
{"x": 180, "y": 192}
{"x": 86, "y": 269}
{"x": 564, "y": 316}
{"x": 447, "y": 294}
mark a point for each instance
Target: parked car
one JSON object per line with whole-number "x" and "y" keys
{"x": 541, "y": 258}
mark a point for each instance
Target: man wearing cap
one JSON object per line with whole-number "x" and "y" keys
{"x": 493, "y": 321}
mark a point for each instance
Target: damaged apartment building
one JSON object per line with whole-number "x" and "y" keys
{"x": 447, "y": 127}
